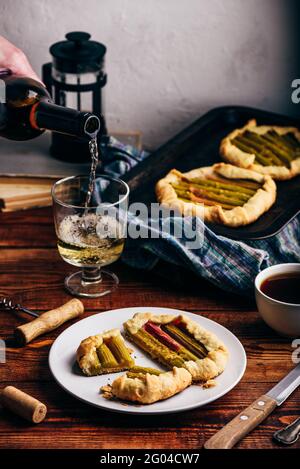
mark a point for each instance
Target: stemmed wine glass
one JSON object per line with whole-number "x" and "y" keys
{"x": 90, "y": 236}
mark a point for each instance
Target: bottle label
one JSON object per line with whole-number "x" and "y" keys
{"x": 2, "y": 91}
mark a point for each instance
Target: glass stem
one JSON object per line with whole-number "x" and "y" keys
{"x": 91, "y": 275}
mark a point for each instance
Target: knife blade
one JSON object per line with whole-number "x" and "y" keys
{"x": 281, "y": 391}
{"x": 253, "y": 415}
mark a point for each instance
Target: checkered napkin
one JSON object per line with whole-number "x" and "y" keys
{"x": 231, "y": 265}
{"x": 118, "y": 158}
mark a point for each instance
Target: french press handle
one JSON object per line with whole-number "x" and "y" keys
{"x": 47, "y": 77}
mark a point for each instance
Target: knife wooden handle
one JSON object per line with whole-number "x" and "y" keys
{"x": 242, "y": 424}
{"x": 49, "y": 321}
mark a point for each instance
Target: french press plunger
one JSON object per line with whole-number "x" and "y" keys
{"x": 75, "y": 79}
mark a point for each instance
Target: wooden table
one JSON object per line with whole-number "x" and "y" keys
{"x": 32, "y": 272}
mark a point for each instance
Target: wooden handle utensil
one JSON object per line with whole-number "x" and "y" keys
{"x": 23, "y": 404}
{"x": 242, "y": 424}
{"x": 49, "y": 321}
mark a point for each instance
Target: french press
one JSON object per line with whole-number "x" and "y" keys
{"x": 75, "y": 79}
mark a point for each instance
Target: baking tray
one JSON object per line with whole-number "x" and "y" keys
{"x": 198, "y": 145}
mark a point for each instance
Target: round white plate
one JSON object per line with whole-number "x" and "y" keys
{"x": 63, "y": 352}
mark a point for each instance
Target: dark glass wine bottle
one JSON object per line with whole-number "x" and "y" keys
{"x": 26, "y": 111}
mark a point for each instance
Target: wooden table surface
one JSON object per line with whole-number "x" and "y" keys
{"x": 32, "y": 273}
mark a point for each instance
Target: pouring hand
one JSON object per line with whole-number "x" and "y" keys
{"x": 15, "y": 60}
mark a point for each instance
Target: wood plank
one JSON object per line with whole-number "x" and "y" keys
{"x": 28, "y": 217}
{"x": 72, "y": 424}
{"x": 35, "y": 276}
{"x": 27, "y": 228}
{"x": 21, "y": 189}
{"x": 32, "y": 272}
{"x": 266, "y": 364}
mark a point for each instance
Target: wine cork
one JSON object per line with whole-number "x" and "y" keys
{"x": 49, "y": 321}
{"x": 23, "y": 404}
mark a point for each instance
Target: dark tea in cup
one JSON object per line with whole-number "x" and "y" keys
{"x": 283, "y": 287}
{"x": 277, "y": 293}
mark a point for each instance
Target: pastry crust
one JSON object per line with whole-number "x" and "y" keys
{"x": 235, "y": 156}
{"x": 151, "y": 388}
{"x": 203, "y": 369}
{"x": 87, "y": 357}
{"x": 256, "y": 205}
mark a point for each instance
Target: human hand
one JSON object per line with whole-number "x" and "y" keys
{"x": 15, "y": 60}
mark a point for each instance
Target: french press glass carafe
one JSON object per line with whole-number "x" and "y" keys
{"x": 75, "y": 79}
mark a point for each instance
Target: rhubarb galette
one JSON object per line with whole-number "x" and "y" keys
{"x": 222, "y": 193}
{"x": 104, "y": 353}
{"x": 148, "y": 385}
{"x": 267, "y": 149}
{"x": 177, "y": 341}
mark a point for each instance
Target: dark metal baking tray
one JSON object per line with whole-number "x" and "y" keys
{"x": 198, "y": 145}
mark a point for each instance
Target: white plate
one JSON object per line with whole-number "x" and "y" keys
{"x": 62, "y": 359}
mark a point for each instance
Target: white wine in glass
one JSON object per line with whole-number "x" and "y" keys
{"x": 90, "y": 236}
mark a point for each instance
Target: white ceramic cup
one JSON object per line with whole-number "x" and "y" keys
{"x": 284, "y": 318}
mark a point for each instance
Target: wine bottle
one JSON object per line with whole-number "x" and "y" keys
{"x": 26, "y": 111}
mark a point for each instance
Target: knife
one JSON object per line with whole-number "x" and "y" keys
{"x": 253, "y": 415}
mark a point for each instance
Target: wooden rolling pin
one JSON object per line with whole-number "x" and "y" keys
{"x": 48, "y": 321}
{"x": 23, "y": 404}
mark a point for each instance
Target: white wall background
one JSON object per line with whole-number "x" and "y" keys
{"x": 169, "y": 61}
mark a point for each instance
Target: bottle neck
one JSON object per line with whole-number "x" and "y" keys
{"x": 45, "y": 115}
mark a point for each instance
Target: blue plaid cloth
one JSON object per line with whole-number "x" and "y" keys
{"x": 231, "y": 265}
{"x": 118, "y": 158}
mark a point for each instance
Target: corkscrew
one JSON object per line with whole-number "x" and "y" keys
{"x": 8, "y": 305}
{"x": 44, "y": 322}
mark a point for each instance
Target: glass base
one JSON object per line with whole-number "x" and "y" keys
{"x": 78, "y": 285}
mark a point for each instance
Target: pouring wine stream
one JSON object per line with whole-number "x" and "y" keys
{"x": 94, "y": 152}
{"x": 90, "y": 222}
{"x": 90, "y": 273}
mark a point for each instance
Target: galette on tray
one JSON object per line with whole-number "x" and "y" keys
{"x": 271, "y": 150}
{"x": 221, "y": 193}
